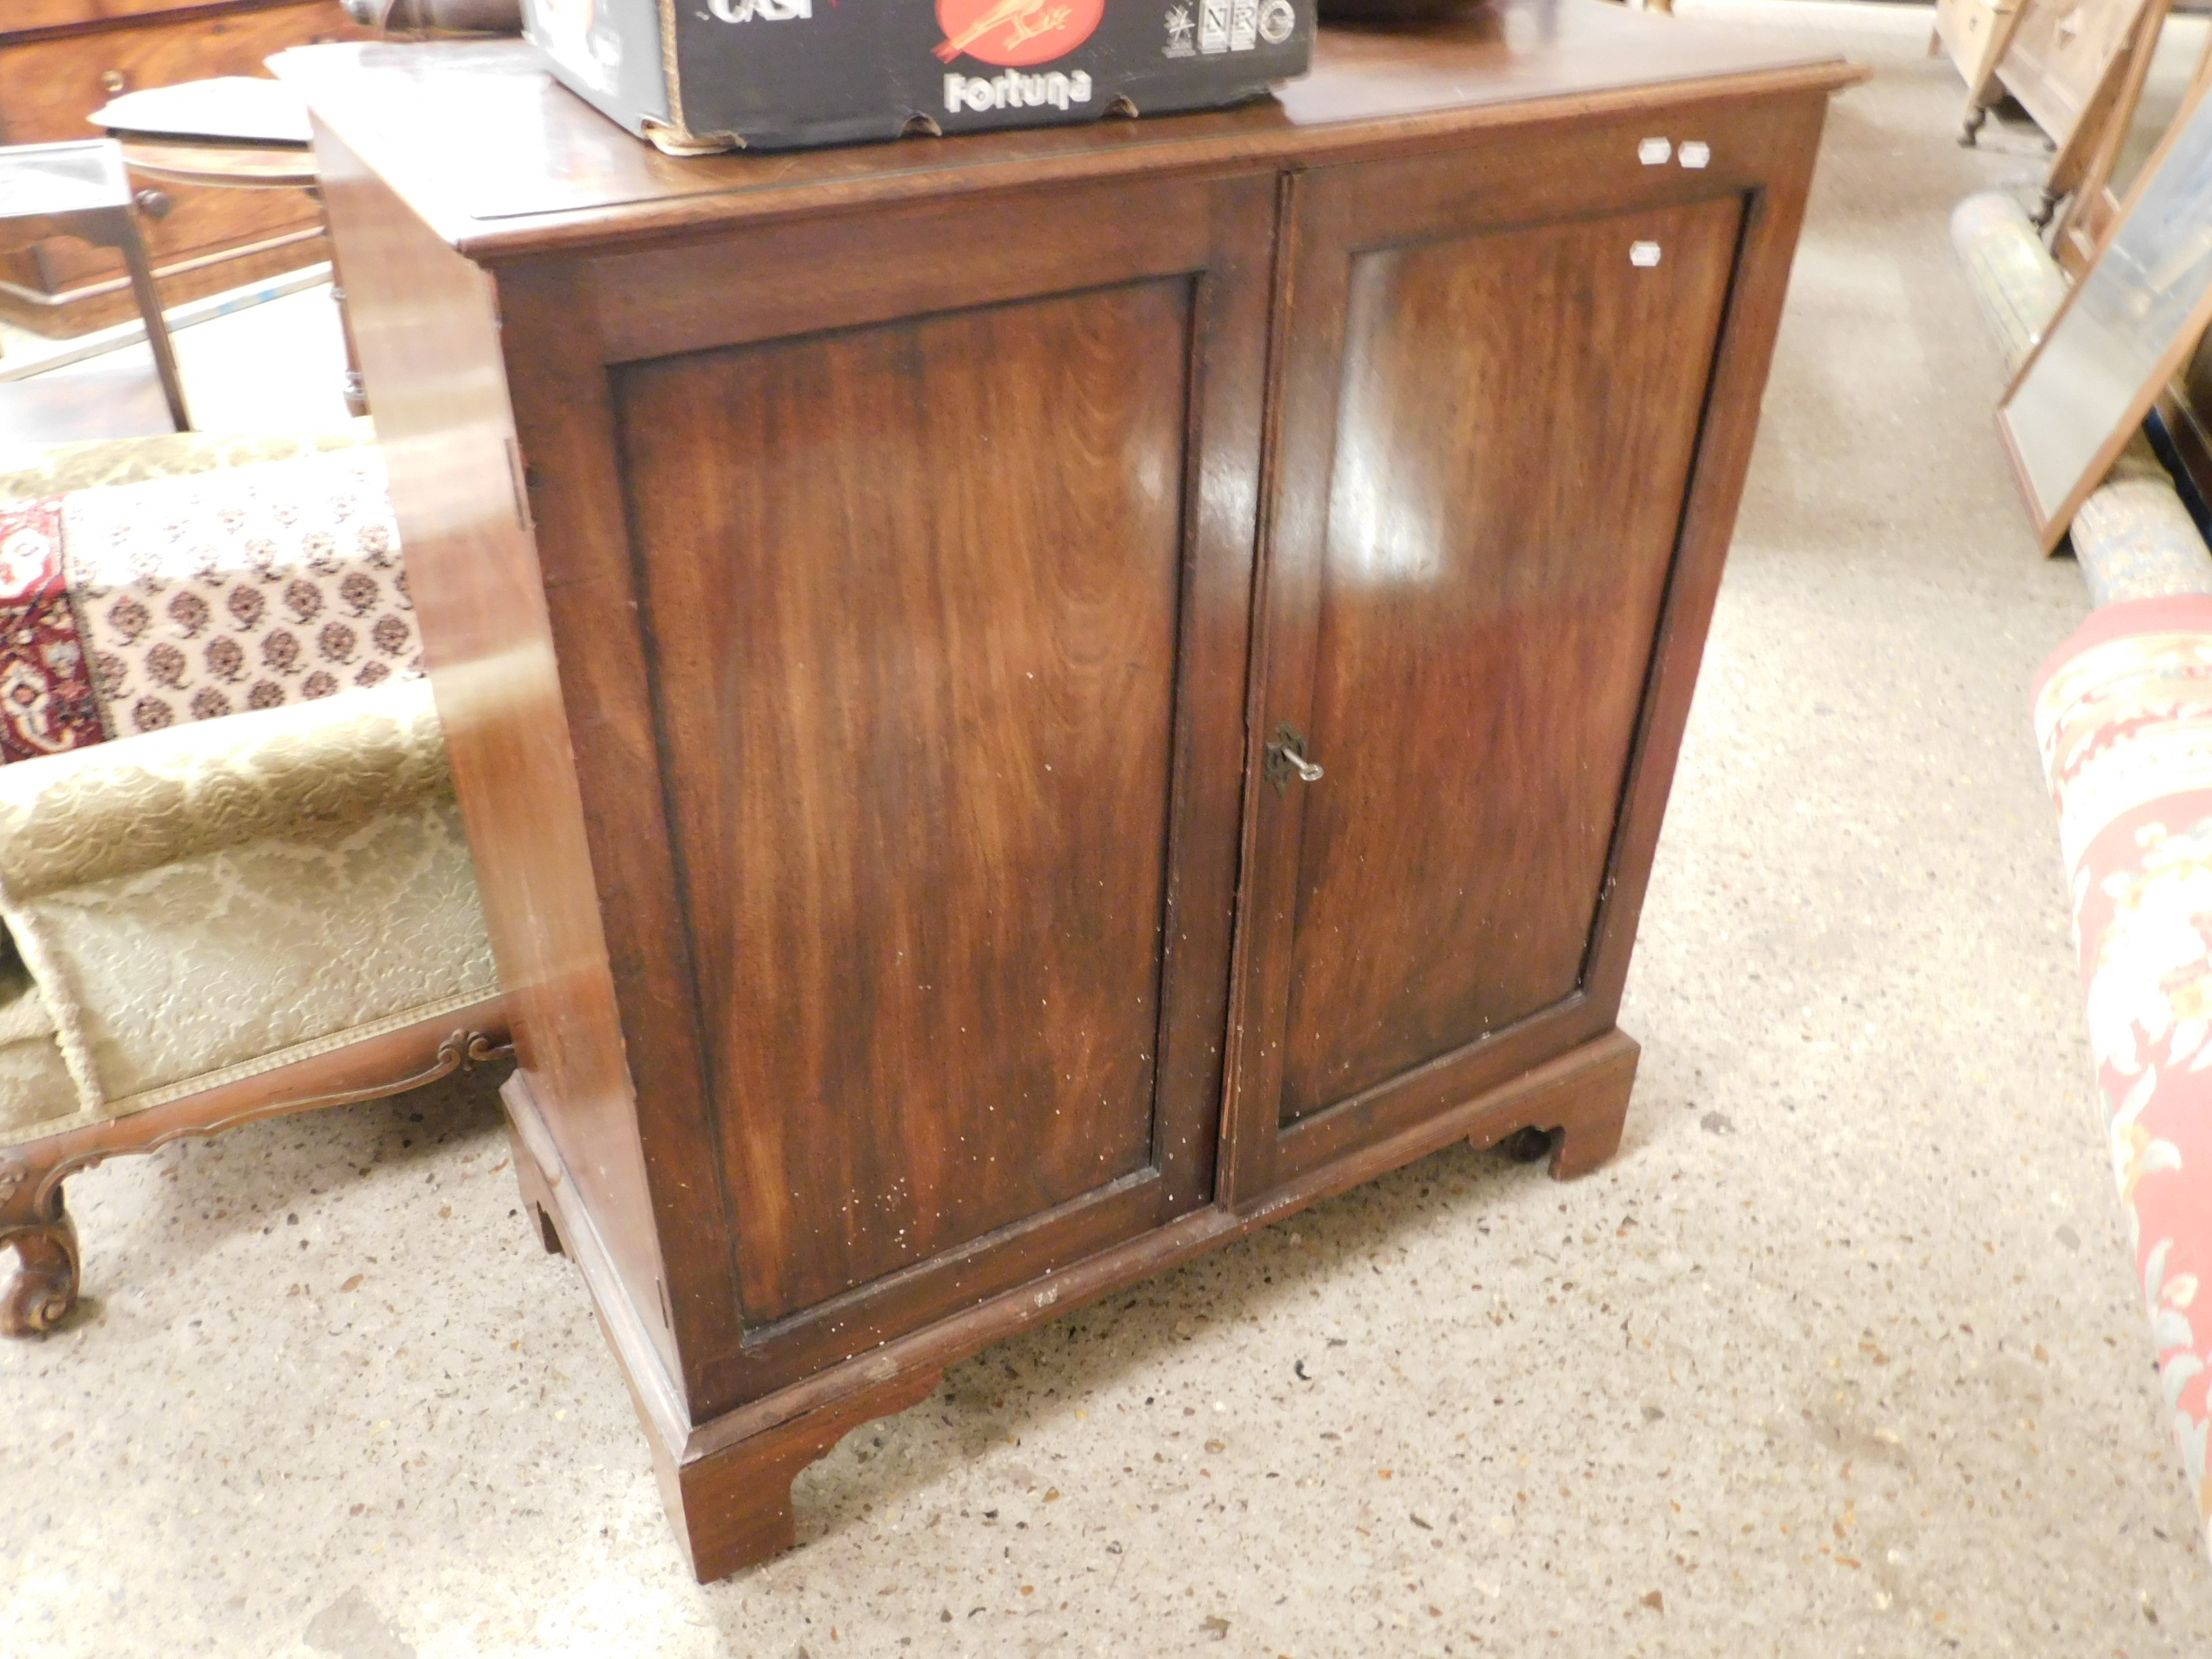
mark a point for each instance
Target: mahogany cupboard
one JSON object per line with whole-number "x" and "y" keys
{"x": 1028, "y": 704}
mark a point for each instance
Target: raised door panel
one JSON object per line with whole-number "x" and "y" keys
{"x": 1501, "y": 521}
{"x": 923, "y": 821}
{"x": 944, "y": 582}
{"x": 1460, "y": 632}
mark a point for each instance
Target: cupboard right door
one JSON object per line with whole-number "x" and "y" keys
{"x": 1496, "y": 369}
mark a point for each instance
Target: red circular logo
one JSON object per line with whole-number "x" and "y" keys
{"x": 1015, "y": 33}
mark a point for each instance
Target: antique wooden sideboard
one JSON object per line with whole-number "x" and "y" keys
{"x": 1026, "y": 705}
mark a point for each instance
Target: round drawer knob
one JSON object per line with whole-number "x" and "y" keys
{"x": 154, "y": 203}
{"x": 113, "y": 80}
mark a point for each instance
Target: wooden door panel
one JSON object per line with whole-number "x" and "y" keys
{"x": 1502, "y": 518}
{"x": 922, "y": 746}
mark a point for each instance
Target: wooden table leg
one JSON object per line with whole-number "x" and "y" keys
{"x": 356, "y": 390}
{"x": 157, "y": 324}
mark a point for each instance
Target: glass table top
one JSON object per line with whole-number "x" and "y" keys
{"x": 81, "y": 176}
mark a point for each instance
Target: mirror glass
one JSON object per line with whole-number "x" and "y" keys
{"x": 2135, "y": 312}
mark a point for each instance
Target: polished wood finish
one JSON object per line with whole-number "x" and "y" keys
{"x": 1485, "y": 596}
{"x": 59, "y": 62}
{"x": 926, "y": 867}
{"x": 105, "y": 218}
{"x": 545, "y": 173}
{"x": 861, "y": 588}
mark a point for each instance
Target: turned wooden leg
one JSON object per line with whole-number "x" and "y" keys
{"x": 1969, "y": 129}
{"x": 1578, "y": 1126}
{"x": 45, "y": 1287}
{"x": 732, "y": 1506}
{"x": 2041, "y": 217}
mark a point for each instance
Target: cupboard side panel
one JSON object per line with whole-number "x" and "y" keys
{"x": 425, "y": 324}
{"x": 1789, "y": 139}
{"x": 1502, "y": 521}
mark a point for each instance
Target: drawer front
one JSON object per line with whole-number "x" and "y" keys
{"x": 200, "y": 222}
{"x": 29, "y": 16}
{"x": 48, "y": 87}
{"x": 1494, "y": 395}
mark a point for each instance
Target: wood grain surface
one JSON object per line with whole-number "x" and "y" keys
{"x": 50, "y": 83}
{"x": 913, "y": 589}
{"x": 548, "y": 171}
{"x": 862, "y": 661}
{"x": 428, "y": 327}
{"x": 1501, "y": 524}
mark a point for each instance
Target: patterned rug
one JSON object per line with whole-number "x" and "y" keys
{"x": 128, "y": 607}
{"x": 2123, "y": 717}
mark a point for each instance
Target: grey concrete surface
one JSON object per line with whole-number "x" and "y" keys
{"x": 1842, "y": 1356}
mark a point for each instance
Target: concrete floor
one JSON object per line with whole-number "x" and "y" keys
{"x": 1842, "y": 1356}
{"x": 277, "y": 366}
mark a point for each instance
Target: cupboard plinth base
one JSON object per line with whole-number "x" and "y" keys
{"x": 1578, "y": 1126}
{"x": 726, "y": 1479}
{"x": 731, "y": 1508}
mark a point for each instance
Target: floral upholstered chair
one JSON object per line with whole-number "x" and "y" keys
{"x": 233, "y": 880}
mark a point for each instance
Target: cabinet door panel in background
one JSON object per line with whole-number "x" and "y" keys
{"x": 1463, "y": 639}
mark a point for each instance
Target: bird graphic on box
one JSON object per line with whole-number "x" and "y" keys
{"x": 1015, "y": 32}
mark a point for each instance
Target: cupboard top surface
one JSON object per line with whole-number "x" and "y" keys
{"x": 546, "y": 171}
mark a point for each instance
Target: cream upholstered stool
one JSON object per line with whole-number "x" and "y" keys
{"x": 213, "y": 915}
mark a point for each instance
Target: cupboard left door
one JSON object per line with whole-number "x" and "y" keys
{"x": 941, "y": 522}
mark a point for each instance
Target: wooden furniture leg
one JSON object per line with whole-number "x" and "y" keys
{"x": 2091, "y": 211}
{"x": 731, "y": 1508}
{"x": 357, "y": 389}
{"x": 537, "y": 1194}
{"x": 2097, "y": 137}
{"x": 34, "y": 1219}
{"x": 1983, "y": 88}
{"x": 126, "y": 236}
{"x": 1577, "y": 1128}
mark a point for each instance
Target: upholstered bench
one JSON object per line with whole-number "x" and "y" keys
{"x": 232, "y": 879}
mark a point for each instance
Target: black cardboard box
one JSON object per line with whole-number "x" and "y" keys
{"x": 703, "y": 75}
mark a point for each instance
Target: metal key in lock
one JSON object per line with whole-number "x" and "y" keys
{"x": 1287, "y": 759}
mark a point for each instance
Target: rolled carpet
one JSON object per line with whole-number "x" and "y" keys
{"x": 2124, "y": 720}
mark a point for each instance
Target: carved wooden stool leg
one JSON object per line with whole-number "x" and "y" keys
{"x": 45, "y": 1287}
